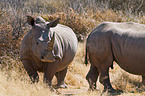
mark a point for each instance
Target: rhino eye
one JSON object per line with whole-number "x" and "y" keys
{"x": 37, "y": 43}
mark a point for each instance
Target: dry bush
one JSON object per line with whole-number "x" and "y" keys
{"x": 128, "y": 6}
{"x": 12, "y": 28}
{"x": 108, "y": 15}
{"x": 81, "y": 16}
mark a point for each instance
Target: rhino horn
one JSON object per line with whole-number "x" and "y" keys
{"x": 46, "y": 39}
{"x": 53, "y": 23}
{"x": 51, "y": 43}
{"x": 30, "y": 20}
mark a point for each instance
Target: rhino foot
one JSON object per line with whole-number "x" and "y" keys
{"x": 60, "y": 86}
{"x": 91, "y": 90}
{"x": 113, "y": 91}
{"x": 54, "y": 90}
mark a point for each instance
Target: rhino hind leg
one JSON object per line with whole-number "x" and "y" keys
{"x": 104, "y": 79}
{"x": 60, "y": 78}
{"x": 92, "y": 77}
{"x": 30, "y": 70}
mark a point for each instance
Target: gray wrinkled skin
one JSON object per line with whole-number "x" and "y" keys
{"x": 48, "y": 47}
{"x": 123, "y": 43}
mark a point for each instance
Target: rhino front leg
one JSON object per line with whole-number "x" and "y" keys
{"x": 143, "y": 79}
{"x": 92, "y": 77}
{"x": 31, "y": 71}
{"x": 60, "y": 78}
{"x": 49, "y": 73}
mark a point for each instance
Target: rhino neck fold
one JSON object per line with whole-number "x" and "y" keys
{"x": 50, "y": 33}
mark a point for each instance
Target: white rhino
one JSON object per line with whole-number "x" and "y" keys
{"x": 48, "y": 48}
{"x": 123, "y": 43}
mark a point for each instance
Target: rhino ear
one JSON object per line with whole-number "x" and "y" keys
{"x": 51, "y": 43}
{"x": 53, "y": 23}
{"x": 30, "y": 20}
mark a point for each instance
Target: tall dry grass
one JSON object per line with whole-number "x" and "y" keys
{"x": 82, "y": 16}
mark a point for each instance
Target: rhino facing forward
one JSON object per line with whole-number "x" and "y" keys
{"x": 123, "y": 43}
{"x": 48, "y": 48}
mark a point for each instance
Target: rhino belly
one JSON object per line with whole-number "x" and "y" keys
{"x": 133, "y": 65}
{"x": 66, "y": 60}
{"x": 68, "y": 56}
{"x": 129, "y": 54}
{"x": 130, "y": 59}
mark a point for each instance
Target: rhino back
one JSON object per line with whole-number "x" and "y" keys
{"x": 67, "y": 36}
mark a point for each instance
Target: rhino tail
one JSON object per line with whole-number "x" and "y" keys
{"x": 86, "y": 57}
{"x": 113, "y": 56}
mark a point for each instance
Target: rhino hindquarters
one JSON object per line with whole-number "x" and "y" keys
{"x": 101, "y": 56}
{"x": 92, "y": 77}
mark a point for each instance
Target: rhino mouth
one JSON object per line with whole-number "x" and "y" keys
{"x": 43, "y": 60}
{"x": 47, "y": 59}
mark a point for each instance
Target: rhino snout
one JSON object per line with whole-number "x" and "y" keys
{"x": 47, "y": 58}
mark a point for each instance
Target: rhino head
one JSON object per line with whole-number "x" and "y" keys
{"x": 43, "y": 39}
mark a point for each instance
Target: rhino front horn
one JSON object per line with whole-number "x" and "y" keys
{"x": 51, "y": 43}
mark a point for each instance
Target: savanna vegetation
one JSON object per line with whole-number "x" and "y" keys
{"x": 82, "y": 16}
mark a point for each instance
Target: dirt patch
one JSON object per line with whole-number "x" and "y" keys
{"x": 72, "y": 91}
